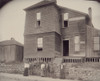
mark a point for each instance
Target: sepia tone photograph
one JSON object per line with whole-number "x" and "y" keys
{"x": 49, "y": 40}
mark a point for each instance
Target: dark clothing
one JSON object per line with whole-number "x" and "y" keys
{"x": 26, "y": 72}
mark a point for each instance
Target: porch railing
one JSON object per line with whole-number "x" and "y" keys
{"x": 78, "y": 60}
{"x": 39, "y": 59}
{"x": 66, "y": 60}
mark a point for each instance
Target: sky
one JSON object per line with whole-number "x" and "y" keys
{"x": 12, "y": 16}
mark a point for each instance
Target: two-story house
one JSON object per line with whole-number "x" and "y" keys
{"x": 55, "y": 31}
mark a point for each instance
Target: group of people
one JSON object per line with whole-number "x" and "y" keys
{"x": 46, "y": 70}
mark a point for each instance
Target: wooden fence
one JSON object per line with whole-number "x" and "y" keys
{"x": 66, "y": 59}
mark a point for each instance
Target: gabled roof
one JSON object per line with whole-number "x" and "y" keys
{"x": 45, "y": 2}
{"x": 62, "y": 8}
{"x": 10, "y": 42}
{"x": 42, "y": 3}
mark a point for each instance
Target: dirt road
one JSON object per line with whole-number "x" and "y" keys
{"x": 19, "y": 77}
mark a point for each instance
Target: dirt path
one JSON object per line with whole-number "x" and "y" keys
{"x": 18, "y": 77}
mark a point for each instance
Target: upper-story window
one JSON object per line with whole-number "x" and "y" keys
{"x": 40, "y": 44}
{"x": 38, "y": 19}
{"x": 65, "y": 22}
{"x": 96, "y": 43}
{"x": 77, "y": 43}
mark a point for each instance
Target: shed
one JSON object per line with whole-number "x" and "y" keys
{"x": 11, "y": 51}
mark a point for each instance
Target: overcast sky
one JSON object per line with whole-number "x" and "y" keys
{"x": 12, "y": 15}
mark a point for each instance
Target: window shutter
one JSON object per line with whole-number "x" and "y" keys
{"x": 96, "y": 43}
{"x": 77, "y": 43}
{"x": 38, "y": 16}
{"x": 66, "y": 16}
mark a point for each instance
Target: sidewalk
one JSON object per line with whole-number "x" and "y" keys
{"x": 19, "y": 77}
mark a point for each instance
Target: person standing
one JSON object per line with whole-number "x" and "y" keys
{"x": 43, "y": 67}
{"x": 26, "y": 68}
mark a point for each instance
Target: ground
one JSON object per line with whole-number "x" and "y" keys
{"x": 19, "y": 77}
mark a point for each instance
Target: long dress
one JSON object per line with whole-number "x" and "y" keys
{"x": 42, "y": 70}
{"x": 26, "y": 72}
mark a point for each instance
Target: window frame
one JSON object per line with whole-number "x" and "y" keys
{"x": 65, "y": 23}
{"x": 38, "y": 19}
{"x": 65, "y": 19}
{"x": 39, "y": 44}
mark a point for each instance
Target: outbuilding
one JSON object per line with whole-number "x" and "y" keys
{"x": 11, "y": 51}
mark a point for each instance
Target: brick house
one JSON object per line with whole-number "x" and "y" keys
{"x": 55, "y": 31}
{"x": 11, "y": 51}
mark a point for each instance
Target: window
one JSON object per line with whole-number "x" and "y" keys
{"x": 65, "y": 23}
{"x": 77, "y": 43}
{"x": 65, "y": 20}
{"x": 40, "y": 44}
{"x": 96, "y": 43}
{"x": 38, "y": 22}
{"x": 38, "y": 19}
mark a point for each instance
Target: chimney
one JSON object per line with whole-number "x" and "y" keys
{"x": 52, "y": 0}
{"x": 90, "y": 13}
{"x": 12, "y": 38}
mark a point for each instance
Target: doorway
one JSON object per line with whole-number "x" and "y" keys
{"x": 65, "y": 47}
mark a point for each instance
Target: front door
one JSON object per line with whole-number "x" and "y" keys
{"x": 65, "y": 47}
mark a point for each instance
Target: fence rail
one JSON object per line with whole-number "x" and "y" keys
{"x": 66, "y": 60}
{"x": 39, "y": 59}
{"x": 78, "y": 60}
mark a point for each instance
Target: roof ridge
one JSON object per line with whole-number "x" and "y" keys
{"x": 18, "y": 42}
{"x": 39, "y": 4}
{"x": 45, "y": 2}
{"x": 10, "y": 42}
